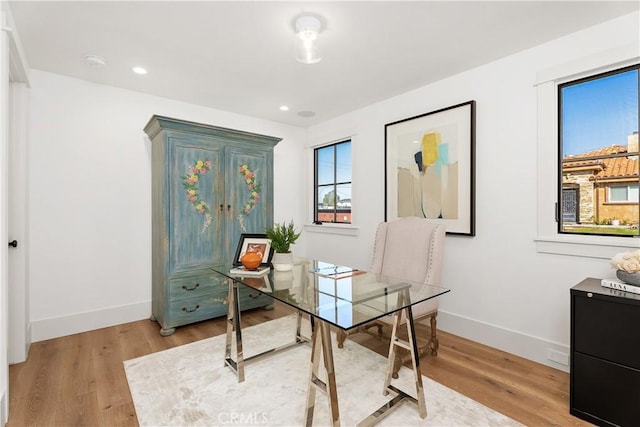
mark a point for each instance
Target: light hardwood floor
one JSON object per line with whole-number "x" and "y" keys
{"x": 79, "y": 380}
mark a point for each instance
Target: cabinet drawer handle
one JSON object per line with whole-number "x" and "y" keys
{"x": 191, "y": 289}
{"x": 185, "y": 309}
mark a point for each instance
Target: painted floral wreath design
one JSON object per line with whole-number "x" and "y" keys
{"x": 190, "y": 184}
{"x": 253, "y": 186}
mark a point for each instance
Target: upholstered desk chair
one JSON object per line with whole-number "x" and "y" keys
{"x": 409, "y": 248}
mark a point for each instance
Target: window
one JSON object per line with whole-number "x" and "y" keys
{"x": 332, "y": 183}
{"x": 598, "y": 162}
{"x": 623, "y": 193}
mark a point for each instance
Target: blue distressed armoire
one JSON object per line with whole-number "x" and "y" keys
{"x": 209, "y": 185}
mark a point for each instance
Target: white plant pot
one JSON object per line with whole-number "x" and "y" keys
{"x": 282, "y": 262}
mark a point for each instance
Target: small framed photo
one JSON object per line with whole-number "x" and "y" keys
{"x": 254, "y": 243}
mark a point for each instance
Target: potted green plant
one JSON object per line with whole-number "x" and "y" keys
{"x": 282, "y": 236}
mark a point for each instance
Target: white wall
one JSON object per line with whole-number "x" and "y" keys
{"x": 90, "y": 198}
{"x": 504, "y": 293}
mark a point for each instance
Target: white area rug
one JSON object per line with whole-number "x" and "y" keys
{"x": 189, "y": 386}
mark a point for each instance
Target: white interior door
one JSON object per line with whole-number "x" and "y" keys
{"x": 4, "y": 136}
{"x": 18, "y": 289}
{"x": 13, "y": 70}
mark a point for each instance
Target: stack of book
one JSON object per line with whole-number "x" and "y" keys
{"x": 242, "y": 271}
{"x": 621, "y": 286}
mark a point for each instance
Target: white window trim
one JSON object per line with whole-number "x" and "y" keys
{"x": 332, "y": 228}
{"x": 548, "y": 240}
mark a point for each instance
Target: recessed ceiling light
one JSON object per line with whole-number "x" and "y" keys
{"x": 139, "y": 70}
{"x": 95, "y": 61}
{"x": 284, "y": 108}
{"x": 306, "y": 114}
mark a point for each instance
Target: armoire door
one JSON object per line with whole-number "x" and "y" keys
{"x": 196, "y": 224}
{"x": 249, "y": 186}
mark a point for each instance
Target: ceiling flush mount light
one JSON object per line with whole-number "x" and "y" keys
{"x": 306, "y": 46}
{"x": 284, "y": 108}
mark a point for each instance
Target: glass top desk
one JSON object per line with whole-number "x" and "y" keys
{"x": 340, "y": 297}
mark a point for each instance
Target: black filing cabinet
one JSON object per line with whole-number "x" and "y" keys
{"x": 605, "y": 355}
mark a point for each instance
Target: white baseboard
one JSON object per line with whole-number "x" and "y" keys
{"x": 55, "y": 327}
{"x": 517, "y": 343}
{"x": 529, "y": 347}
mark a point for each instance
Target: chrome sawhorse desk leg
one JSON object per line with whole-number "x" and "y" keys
{"x": 412, "y": 346}
{"x": 321, "y": 342}
{"x": 234, "y": 325}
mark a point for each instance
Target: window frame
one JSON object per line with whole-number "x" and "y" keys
{"x": 567, "y": 83}
{"x": 335, "y": 183}
{"x": 547, "y": 239}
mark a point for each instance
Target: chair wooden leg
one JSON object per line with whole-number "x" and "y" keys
{"x": 433, "y": 340}
{"x": 431, "y": 346}
{"x": 341, "y": 336}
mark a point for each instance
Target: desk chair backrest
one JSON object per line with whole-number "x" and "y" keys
{"x": 410, "y": 248}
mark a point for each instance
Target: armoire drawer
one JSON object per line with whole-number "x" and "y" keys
{"x": 201, "y": 307}
{"x": 194, "y": 286}
{"x": 194, "y": 309}
{"x": 251, "y": 298}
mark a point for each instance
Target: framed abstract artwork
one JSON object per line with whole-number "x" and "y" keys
{"x": 430, "y": 168}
